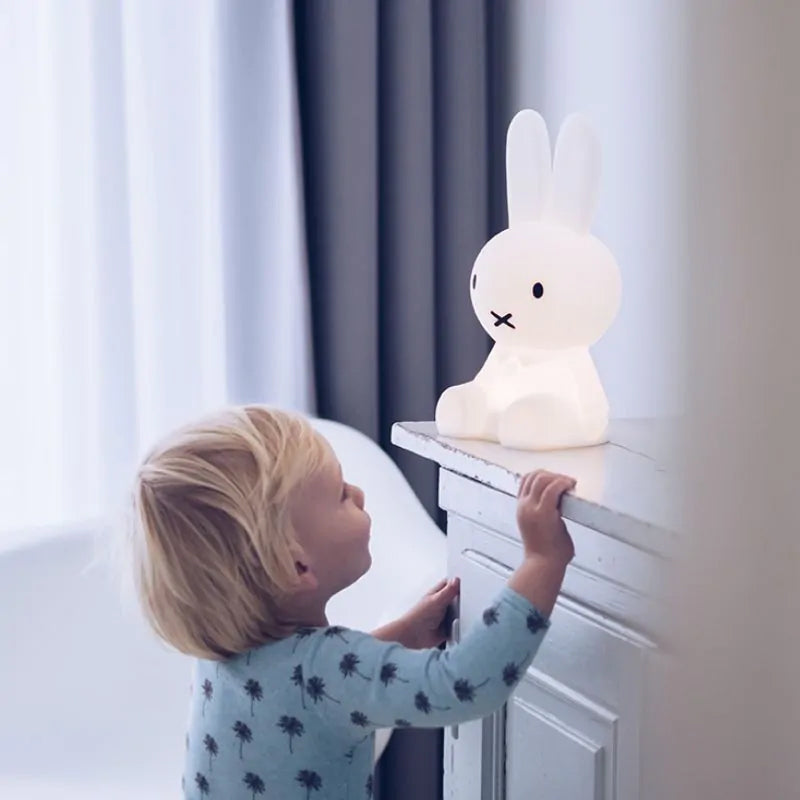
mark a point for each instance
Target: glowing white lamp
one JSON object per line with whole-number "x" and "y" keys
{"x": 545, "y": 290}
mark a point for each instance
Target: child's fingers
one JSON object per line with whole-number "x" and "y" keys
{"x": 553, "y": 491}
{"x": 526, "y": 486}
{"x": 551, "y": 494}
{"x": 541, "y": 481}
{"x": 450, "y": 590}
{"x": 439, "y": 586}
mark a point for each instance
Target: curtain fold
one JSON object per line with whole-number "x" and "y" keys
{"x": 400, "y": 105}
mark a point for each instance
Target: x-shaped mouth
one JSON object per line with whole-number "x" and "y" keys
{"x": 504, "y": 320}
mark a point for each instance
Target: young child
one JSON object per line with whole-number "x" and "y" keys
{"x": 245, "y": 528}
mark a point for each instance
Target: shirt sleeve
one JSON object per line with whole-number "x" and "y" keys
{"x": 360, "y": 683}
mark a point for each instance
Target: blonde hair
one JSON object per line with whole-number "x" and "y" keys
{"x": 212, "y": 538}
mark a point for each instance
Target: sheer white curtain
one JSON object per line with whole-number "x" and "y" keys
{"x": 152, "y": 264}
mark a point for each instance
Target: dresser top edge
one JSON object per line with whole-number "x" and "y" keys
{"x": 624, "y": 488}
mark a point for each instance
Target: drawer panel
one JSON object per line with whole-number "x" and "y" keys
{"x": 584, "y": 649}
{"x": 606, "y": 574}
{"x": 555, "y": 751}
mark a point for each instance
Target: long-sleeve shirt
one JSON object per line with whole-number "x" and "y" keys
{"x": 296, "y": 718}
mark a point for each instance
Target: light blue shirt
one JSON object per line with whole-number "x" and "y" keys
{"x": 296, "y": 718}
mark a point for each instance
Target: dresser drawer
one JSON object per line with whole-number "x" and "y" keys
{"x": 622, "y": 582}
{"x": 586, "y": 650}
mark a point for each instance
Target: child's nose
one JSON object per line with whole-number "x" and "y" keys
{"x": 358, "y": 497}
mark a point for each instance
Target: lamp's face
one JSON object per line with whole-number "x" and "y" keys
{"x": 542, "y": 285}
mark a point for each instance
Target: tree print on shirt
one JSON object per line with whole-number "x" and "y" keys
{"x": 310, "y": 781}
{"x": 360, "y": 720}
{"x": 491, "y": 615}
{"x": 424, "y": 705}
{"x": 535, "y": 621}
{"x": 389, "y": 674}
{"x": 369, "y": 785}
{"x": 402, "y": 723}
{"x": 336, "y": 630}
{"x": 208, "y": 693}
{"x": 254, "y": 783}
{"x": 297, "y": 680}
{"x": 253, "y": 690}
{"x": 465, "y": 691}
{"x": 513, "y": 672}
{"x": 349, "y": 666}
{"x": 292, "y": 727}
{"x": 210, "y": 744}
{"x": 315, "y": 687}
{"x": 243, "y": 734}
{"x": 202, "y": 784}
{"x": 302, "y": 633}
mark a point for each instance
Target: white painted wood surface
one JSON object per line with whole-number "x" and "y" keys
{"x": 572, "y": 729}
{"x": 625, "y": 489}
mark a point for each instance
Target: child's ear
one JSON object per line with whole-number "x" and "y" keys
{"x": 306, "y": 579}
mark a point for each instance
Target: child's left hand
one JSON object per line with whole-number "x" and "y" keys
{"x": 424, "y": 625}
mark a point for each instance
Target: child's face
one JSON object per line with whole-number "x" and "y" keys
{"x": 331, "y": 527}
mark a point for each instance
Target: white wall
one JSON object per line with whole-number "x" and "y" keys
{"x": 619, "y": 62}
{"x": 698, "y": 108}
{"x": 732, "y": 704}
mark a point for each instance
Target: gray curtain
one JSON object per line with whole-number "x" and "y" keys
{"x": 403, "y": 117}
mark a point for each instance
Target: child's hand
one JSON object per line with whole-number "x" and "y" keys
{"x": 425, "y": 624}
{"x": 541, "y": 526}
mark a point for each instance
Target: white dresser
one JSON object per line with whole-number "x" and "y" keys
{"x": 571, "y": 731}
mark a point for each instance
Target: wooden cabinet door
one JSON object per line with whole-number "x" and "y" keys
{"x": 557, "y": 747}
{"x": 570, "y": 731}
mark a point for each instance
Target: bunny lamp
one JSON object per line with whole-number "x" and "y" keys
{"x": 545, "y": 290}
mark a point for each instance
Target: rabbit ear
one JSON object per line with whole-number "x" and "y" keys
{"x": 576, "y": 174}
{"x": 527, "y": 166}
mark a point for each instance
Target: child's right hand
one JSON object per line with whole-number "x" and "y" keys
{"x": 543, "y": 531}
